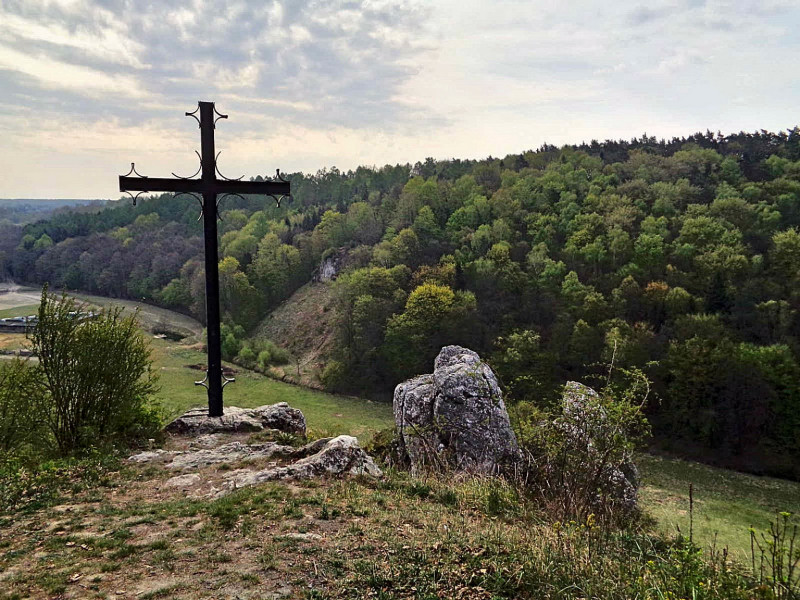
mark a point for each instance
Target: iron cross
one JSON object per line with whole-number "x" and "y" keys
{"x": 209, "y": 187}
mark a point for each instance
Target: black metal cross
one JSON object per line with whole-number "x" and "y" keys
{"x": 208, "y": 186}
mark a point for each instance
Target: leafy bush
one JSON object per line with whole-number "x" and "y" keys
{"x": 580, "y": 457}
{"x": 333, "y": 376}
{"x": 97, "y": 375}
{"x": 246, "y": 357}
{"x": 20, "y": 401}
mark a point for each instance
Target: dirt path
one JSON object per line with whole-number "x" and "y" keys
{"x": 151, "y": 317}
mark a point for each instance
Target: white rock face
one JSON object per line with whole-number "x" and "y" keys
{"x": 323, "y": 457}
{"x": 455, "y": 417}
{"x": 228, "y": 453}
{"x": 339, "y": 456}
{"x": 183, "y": 481}
{"x": 195, "y": 459}
{"x": 278, "y": 416}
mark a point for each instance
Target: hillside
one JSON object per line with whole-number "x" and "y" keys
{"x": 304, "y": 325}
{"x": 674, "y": 258}
{"x": 118, "y": 529}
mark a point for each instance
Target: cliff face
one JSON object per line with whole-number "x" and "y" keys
{"x": 332, "y": 265}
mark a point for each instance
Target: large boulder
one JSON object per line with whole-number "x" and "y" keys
{"x": 455, "y": 418}
{"x": 278, "y": 416}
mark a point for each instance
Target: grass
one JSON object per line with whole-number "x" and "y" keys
{"x": 326, "y": 414}
{"x": 400, "y": 537}
{"x": 726, "y": 503}
{"x": 19, "y": 311}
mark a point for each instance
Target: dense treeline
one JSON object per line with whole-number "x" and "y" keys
{"x": 679, "y": 257}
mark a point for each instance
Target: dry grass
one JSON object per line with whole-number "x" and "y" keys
{"x": 400, "y": 537}
{"x": 304, "y": 325}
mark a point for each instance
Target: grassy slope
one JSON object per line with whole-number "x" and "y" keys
{"x": 726, "y": 503}
{"x": 19, "y": 311}
{"x": 303, "y": 325}
{"x": 325, "y": 413}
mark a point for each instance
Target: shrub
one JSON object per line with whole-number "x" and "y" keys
{"x": 20, "y": 401}
{"x": 246, "y": 357}
{"x": 580, "y": 458}
{"x": 97, "y": 375}
{"x": 264, "y": 358}
{"x": 333, "y": 377}
{"x": 279, "y": 356}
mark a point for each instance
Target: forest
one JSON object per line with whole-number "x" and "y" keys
{"x": 677, "y": 257}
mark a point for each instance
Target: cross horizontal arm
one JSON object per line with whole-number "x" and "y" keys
{"x": 157, "y": 184}
{"x": 268, "y": 188}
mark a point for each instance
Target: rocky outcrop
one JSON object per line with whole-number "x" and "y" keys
{"x": 583, "y": 422}
{"x": 455, "y": 418}
{"x": 332, "y": 265}
{"x": 279, "y": 416}
{"x": 209, "y": 446}
{"x": 338, "y": 456}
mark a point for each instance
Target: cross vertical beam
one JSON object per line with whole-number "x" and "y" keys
{"x": 208, "y": 163}
{"x": 209, "y": 186}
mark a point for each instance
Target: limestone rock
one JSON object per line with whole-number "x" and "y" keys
{"x": 279, "y": 416}
{"x": 332, "y": 265}
{"x": 455, "y": 417}
{"x": 227, "y": 453}
{"x": 209, "y": 440}
{"x": 339, "y": 456}
{"x": 583, "y": 422}
{"x": 151, "y": 456}
{"x": 413, "y": 416}
{"x": 182, "y": 481}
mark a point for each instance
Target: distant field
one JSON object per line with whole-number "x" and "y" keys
{"x": 18, "y": 298}
{"x": 726, "y": 503}
{"x": 19, "y": 311}
{"x": 151, "y": 317}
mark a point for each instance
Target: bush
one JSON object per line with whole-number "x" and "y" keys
{"x": 264, "y": 359}
{"x": 580, "y": 458}
{"x": 20, "y": 401}
{"x": 246, "y": 357}
{"x": 97, "y": 375}
{"x": 334, "y": 376}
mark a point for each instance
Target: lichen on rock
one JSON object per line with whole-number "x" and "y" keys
{"x": 455, "y": 418}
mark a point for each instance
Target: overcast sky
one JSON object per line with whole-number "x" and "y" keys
{"x": 87, "y": 87}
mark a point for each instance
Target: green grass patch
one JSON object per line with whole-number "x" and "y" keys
{"x": 726, "y": 503}
{"x": 326, "y": 414}
{"x": 19, "y": 311}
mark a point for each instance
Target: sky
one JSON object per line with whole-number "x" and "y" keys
{"x": 87, "y": 87}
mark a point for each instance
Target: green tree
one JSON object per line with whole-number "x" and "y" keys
{"x": 21, "y": 395}
{"x": 434, "y": 316}
{"x": 97, "y": 374}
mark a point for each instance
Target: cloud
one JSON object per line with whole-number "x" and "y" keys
{"x": 53, "y": 74}
{"x": 344, "y": 58}
{"x": 309, "y": 83}
{"x": 646, "y": 14}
